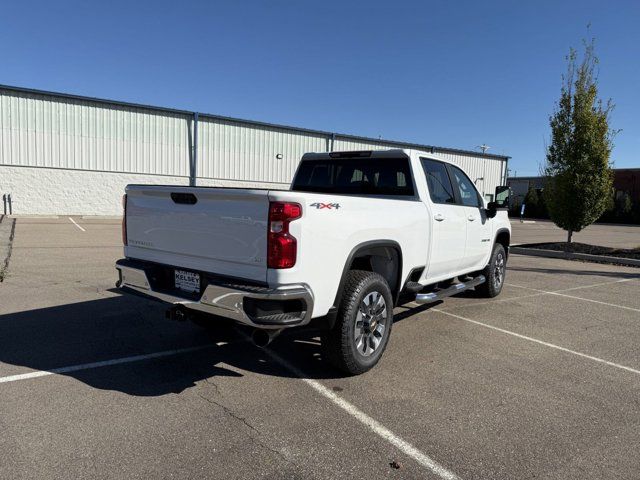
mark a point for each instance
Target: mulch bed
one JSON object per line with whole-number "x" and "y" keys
{"x": 575, "y": 247}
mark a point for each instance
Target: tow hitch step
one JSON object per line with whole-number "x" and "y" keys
{"x": 447, "y": 292}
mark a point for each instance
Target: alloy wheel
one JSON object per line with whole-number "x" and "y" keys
{"x": 498, "y": 270}
{"x": 371, "y": 322}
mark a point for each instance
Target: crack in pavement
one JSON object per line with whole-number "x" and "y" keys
{"x": 246, "y": 423}
{"x": 229, "y": 412}
{"x": 214, "y": 385}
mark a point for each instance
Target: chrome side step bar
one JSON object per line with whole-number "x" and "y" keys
{"x": 447, "y": 292}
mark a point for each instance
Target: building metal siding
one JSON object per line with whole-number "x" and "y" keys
{"x": 486, "y": 173}
{"x": 235, "y": 151}
{"x": 343, "y": 144}
{"x": 39, "y": 131}
{"x": 49, "y": 131}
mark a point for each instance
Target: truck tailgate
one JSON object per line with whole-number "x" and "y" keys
{"x": 217, "y": 230}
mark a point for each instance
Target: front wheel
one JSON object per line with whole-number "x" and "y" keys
{"x": 494, "y": 273}
{"x": 360, "y": 335}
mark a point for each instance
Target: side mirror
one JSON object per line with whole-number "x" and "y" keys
{"x": 491, "y": 209}
{"x": 502, "y": 197}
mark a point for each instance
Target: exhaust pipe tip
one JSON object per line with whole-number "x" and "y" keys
{"x": 262, "y": 338}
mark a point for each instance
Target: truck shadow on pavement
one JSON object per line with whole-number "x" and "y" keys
{"x": 123, "y": 326}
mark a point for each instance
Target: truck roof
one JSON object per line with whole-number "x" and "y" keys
{"x": 390, "y": 153}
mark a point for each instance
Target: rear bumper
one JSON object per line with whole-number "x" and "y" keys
{"x": 229, "y": 299}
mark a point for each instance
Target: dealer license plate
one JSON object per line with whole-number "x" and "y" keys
{"x": 187, "y": 281}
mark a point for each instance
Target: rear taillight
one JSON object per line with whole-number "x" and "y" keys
{"x": 281, "y": 245}
{"x": 124, "y": 219}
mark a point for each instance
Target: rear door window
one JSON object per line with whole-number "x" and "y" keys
{"x": 438, "y": 182}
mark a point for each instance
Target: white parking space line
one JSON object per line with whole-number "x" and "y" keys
{"x": 559, "y": 294}
{"x": 488, "y": 302}
{"x": 596, "y": 301}
{"x": 597, "y": 284}
{"x": 105, "y": 363}
{"x": 540, "y": 342}
{"x": 372, "y": 424}
{"x": 537, "y": 294}
{"x": 74, "y": 222}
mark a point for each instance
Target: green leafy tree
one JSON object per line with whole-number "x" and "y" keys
{"x": 579, "y": 177}
{"x": 626, "y": 205}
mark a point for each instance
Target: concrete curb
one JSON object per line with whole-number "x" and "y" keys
{"x": 33, "y": 217}
{"x": 536, "y": 252}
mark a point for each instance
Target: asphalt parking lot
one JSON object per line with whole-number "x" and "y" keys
{"x": 541, "y": 382}
{"x": 605, "y": 235}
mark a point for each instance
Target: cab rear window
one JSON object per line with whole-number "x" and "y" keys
{"x": 356, "y": 176}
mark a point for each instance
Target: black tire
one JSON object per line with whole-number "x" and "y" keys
{"x": 494, "y": 272}
{"x": 339, "y": 344}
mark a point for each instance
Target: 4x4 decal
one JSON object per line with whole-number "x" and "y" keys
{"x": 329, "y": 206}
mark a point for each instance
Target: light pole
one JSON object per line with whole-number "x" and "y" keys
{"x": 484, "y": 147}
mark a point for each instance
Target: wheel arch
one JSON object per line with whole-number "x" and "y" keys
{"x": 503, "y": 237}
{"x": 380, "y": 256}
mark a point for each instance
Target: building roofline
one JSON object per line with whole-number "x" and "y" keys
{"x": 530, "y": 177}
{"x": 400, "y": 144}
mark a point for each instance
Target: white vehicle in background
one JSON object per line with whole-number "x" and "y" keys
{"x": 356, "y": 234}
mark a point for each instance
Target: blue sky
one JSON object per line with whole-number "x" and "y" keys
{"x": 454, "y": 74}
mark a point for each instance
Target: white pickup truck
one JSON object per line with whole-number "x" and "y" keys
{"x": 356, "y": 234}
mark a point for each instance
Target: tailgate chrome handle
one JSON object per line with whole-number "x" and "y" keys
{"x": 439, "y": 217}
{"x": 184, "y": 198}
{"x": 471, "y": 218}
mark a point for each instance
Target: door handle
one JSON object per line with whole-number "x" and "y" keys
{"x": 471, "y": 218}
{"x": 439, "y": 217}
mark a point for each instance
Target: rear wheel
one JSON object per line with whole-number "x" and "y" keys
{"x": 494, "y": 273}
{"x": 360, "y": 335}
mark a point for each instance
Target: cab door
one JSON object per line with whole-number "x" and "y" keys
{"x": 478, "y": 225}
{"x": 448, "y": 222}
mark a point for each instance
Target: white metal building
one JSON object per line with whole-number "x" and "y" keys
{"x": 69, "y": 155}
